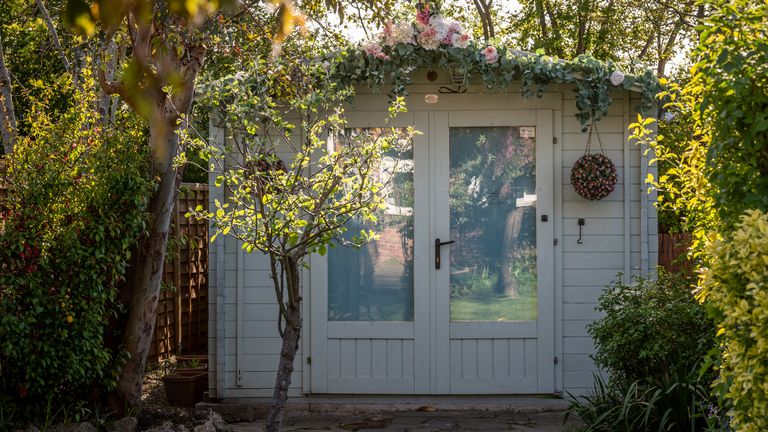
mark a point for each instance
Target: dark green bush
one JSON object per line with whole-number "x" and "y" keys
{"x": 654, "y": 341}
{"x": 68, "y": 224}
{"x": 652, "y": 328}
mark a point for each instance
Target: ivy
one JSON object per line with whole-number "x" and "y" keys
{"x": 592, "y": 78}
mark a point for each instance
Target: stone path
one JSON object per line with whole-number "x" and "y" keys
{"x": 419, "y": 421}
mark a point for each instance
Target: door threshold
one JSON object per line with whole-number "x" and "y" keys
{"x": 356, "y": 404}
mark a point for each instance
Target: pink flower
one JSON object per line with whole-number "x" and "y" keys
{"x": 423, "y": 16}
{"x": 382, "y": 56}
{"x": 490, "y": 53}
{"x": 460, "y": 40}
{"x": 371, "y": 48}
{"x": 389, "y": 29}
{"x": 428, "y": 38}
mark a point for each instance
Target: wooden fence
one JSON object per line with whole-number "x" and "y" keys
{"x": 673, "y": 250}
{"x": 182, "y": 313}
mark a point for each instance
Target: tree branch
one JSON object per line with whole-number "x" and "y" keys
{"x": 54, "y": 35}
{"x": 8, "y": 115}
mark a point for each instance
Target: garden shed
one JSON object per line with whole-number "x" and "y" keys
{"x": 488, "y": 267}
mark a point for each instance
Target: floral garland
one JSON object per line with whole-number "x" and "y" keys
{"x": 432, "y": 40}
{"x": 594, "y": 176}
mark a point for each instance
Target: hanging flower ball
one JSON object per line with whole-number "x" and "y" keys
{"x": 594, "y": 176}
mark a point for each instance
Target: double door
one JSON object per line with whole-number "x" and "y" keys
{"x": 456, "y": 294}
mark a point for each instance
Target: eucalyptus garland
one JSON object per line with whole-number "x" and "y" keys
{"x": 433, "y": 41}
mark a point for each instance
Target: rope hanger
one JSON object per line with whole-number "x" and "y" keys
{"x": 593, "y": 127}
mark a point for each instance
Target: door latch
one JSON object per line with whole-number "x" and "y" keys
{"x": 438, "y": 243}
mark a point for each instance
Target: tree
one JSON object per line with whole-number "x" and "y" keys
{"x": 291, "y": 210}
{"x": 620, "y": 30}
{"x": 8, "y": 126}
{"x": 168, "y": 42}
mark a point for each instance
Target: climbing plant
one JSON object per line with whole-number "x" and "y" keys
{"x": 434, "y": 41}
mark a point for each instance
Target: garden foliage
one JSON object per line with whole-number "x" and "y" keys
{"x": 651, "y": 328}
{"x": 652, "y": 342}
{"x": 71, "y": 218}
{"x": 720, "y": 180}
{"x": 735, "y": 287}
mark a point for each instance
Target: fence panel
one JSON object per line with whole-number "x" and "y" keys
{"x": 182, "y": 314}
{"x": 673, "y": 251}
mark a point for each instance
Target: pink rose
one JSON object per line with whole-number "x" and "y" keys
{"x": 428, "y": 38}
{"x": 382, "y": 56}
{"x": 460, "y": 40}
{"x": 490, "y": 53}
{"x": 371, "y": 48}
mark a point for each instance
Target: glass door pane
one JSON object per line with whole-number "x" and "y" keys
{"x": 375, "y": 282}
{"x": 493, "y": 221}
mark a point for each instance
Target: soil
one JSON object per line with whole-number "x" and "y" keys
{"x": 155, "y": 409}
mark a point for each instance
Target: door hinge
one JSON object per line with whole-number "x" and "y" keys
{"x": 554, "y": 242}
{"x": 554, "y": 140}
{"x": 557, "y": 360}
{"x": 309, "y": 360}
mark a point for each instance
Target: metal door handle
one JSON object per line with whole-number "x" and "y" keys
{"x": 438, "y": 243}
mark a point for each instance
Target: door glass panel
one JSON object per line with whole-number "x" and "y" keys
{"x": 375, "y": 282}
{"x": 493, "y": 221}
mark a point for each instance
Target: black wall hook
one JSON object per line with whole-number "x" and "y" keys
{"x": 582, "y": 222}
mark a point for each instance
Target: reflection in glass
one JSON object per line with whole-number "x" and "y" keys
{"x": 493, "y": 220}
{"x": 375, "y": 282}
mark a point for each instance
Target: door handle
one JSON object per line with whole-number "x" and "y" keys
{"x": 438, "y": 243}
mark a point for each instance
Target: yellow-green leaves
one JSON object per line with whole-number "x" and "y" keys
{"x": 735, "y": 286}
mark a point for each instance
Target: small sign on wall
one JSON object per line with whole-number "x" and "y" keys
{"x": 528, "y": 132}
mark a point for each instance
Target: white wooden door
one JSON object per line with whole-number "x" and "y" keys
{"x": 369, "y": 307}
{"x": 493, "y": 293}
{"x": 385, "y": 320}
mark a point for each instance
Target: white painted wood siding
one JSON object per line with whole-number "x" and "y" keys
{"x": 612, "y": 243}
{"x": 611, "y": 238}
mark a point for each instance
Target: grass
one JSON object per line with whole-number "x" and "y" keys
{"x": 493, "y": 307}
{"x": 476, "y": 297}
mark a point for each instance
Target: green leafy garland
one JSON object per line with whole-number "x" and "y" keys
{"x": 385, "y": 62}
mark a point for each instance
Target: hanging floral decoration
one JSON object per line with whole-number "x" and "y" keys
{"x": 433, "y": 41}
{"x": 594, "y": 176}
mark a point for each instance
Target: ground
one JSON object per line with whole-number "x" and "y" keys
{"x": 420, "y": 421}
{"x": 155, "y": 409}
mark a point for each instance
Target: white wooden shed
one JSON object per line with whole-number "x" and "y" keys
{"x": 506, "y": 312}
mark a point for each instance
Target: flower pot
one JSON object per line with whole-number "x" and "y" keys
{"x": 185, "y": 390}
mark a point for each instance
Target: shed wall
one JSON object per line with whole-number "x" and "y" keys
{"x": 616, "y": 239}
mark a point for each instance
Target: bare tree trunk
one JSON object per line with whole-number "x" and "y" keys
{"x": 483, "y": 11}
{"x": 512, "y": 227}
{"x": 542, "y": 20}
{"x": 555, "y": 28}
{"x": 291, "y": 335}
{"x": 144, "y": 283}
{"x": 647, "y": 45}
{"x": 666, "y": 52}
{"x": 54, "y": 35}
{"x": 8, "y": 115}
{"x": 583, "y": 11}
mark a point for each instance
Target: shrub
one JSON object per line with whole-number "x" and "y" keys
{"x": 735, "y": 289}
{"x": 654, "y": 341}
{"x": 67, "y": 227}
{"x": 650, "y": 328}
{"x": 674, "y": 403}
